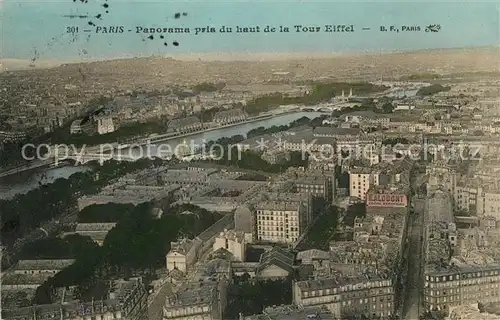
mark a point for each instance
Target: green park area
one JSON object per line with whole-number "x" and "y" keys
{"x": 136, "y": 245}
{"x": 122, "y": 253}
{"x": 25, "y": 213}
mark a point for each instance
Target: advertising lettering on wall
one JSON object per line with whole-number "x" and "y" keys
{"x": 386, "y": 200}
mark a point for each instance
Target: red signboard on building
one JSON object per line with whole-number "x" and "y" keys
{"x": 386, "y": 200}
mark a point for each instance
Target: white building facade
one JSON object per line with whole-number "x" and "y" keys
{"x": 232, "y": 241}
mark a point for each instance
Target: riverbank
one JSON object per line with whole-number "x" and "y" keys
{"x": 252, "y": 120}
{"x": 23, "y": 182}
{"x": 153, "y": 140}
{"x": 34, "y": 164}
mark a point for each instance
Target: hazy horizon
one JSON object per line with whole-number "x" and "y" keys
{"x": 23, "y": 64}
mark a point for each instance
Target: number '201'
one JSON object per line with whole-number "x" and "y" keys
{"x": 71, "y": 29}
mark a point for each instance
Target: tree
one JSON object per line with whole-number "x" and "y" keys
{"x": 432, "y": 89}
{"x": 462, "y": 212}
{"x": 43, "y": 206}
{"x": 208, "y": 87}
{"x": 354, "y": 211}
{"x": 387, "y": 107}
{"x": 103, "y": 213}
{"x": 138, "y": 243}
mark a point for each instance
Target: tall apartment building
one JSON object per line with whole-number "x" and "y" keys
{"x": 318, "y": 184}
{"x": 461, "y": 285}
{"x": 488, "y": 204}
{"x": 304, "y": 197}
{"x": 281, "y": 221}
{"x": 371, "y": 295}
{"x": 361, "y": 180}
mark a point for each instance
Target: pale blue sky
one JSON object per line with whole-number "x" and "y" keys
{"x": 30, "y": 25}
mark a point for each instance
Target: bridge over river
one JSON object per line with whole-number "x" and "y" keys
{"x": 30, "y": 165}
{"x": 214, "y": 133}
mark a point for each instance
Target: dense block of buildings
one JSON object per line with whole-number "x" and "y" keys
{"x": 126, "y": 300}
{"x": 292, "y": 313}
{"x": 462, "y": 256}
{"x": 193, "y": 302}
{"x": 367, "y": 118}
{"x": 479, "y": 198}
{"x": 101, "y": 124}
{"x": 184, "y": 253}
{"x": 273, "y": 264}
{"x": 370, "y": 294}
{"x": 451, "y": 286}
{"x": 204, "y": 296}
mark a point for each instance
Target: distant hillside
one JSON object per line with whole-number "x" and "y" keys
{"x": 156, "y": 72}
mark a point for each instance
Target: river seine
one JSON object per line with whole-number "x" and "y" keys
{"x": 28, "y": 180}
